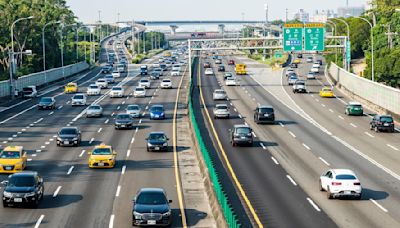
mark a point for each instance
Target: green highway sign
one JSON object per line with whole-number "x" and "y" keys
{"x": 314, "y": 36}
{"x": 278, "y": 54}
{"x": 348, "y": 51}
{"x": 292, "y": 37}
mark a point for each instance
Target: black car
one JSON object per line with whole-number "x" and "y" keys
{"x": 47, "y": 103}
{"x": 157, "y": 141}
{"x": 106, "y": 70}
{"x": 319, "y": 62}
{"x": 155, "y": 75}
{"x": 164, "y": 67}
{"x": 299, "y": 56}
{"x": 151, "y": 208}
{"x": 264, "y": 114}
{"x": 123, "y": 120}
{"x": 69, "y": 136}
{"x": 24, "y": 188}
{"x": 241, "y": 135}
{"x": 382, "y": 123}
{"x": 221, "y": 68}
{"x": 293, "y": 65}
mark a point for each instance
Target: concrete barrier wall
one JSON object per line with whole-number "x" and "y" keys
{"x": 385, "y": 97}
{"x": 41, "y": 78}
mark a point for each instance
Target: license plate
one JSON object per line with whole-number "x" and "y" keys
{"x": 347, "y": 192}
{"x": 157, "y": 116}
{"x": 100, "y": 164}
{"x": 243, "y": 137}
{"x": 157, "y": 148}
{"x": 385, "y": 124}
{"x": 66, "y": 142}
{"x": 151, "y": 222}
{"x": 123, "y": 126}
{"x": 8, "y": 168}
{"x": 266, "y": 115}
{"x": 18, "y": 200}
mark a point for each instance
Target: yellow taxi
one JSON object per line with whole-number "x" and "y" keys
{"x": 326, "y": 92}
{"x": 297, "y": 61}
{"x": 12, "y": 159}
{"x": 102, "y": 156}
{"x": 71, "y": 87}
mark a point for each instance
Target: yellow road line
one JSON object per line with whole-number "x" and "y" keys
{"x": 176, "y": 167}
{"x": 236, "y": 180}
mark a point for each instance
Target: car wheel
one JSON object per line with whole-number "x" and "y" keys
{"x": 5, "y": 204}
{"x": 35, "y": 204}
{"x": 346, "y": 112}
{"x": 320, "y": 186}
{"x": 358, "y": 197}
{"x": 329, "y": 194}
{"x": 370, "y": 127}
{"x": 148, "y": 150}
{"x": 233, "y": 144}
{"x": 376, "y": 129}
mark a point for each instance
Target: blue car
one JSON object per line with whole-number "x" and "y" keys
{"x": 157, "y": 112}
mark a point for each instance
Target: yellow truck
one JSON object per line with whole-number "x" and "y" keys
{"x": 167, "y": 54}
{"x": 240, "y": 69}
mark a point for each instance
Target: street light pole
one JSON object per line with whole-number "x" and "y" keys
{"x": 335, "y": 31}
{"x": 347, "y": 64}
{"x": 44, "y": 47}
{"x": 11, "y": 56}
{"x": 372, "y": 48}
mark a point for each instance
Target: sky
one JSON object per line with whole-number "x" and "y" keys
{"x": 87, "y": 10}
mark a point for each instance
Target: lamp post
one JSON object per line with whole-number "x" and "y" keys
{"x": 335, "y": 30}
{"x": 62, "y": 45}
{"x": 347, "y": 63}
{"x": 372, "y": 48}
{"x": 44, "y": 47}
{"x": 11, "y": 55}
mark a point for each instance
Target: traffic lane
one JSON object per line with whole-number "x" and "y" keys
{"x": 278, "y": 198}
{"x": 373, "y": 178}
{"x": 149, "y": 169}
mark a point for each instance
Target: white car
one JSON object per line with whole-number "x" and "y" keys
{"x": 176, "y": 67}
{"x": 102, "y": 83}
{"x": 133, "y": 110}
{"x": 310, "y": 59}
{"x": 156, "y": 65}
{"x": 166, "y": 84}
{"x": 299, "y": 87}
{"x": 230, "y": 81}
{"x": 340, "y": 183}
{"x": 218, "y": 61}
{"x": 139, "y": 92}
{"x": 219, "y": 94}
{"x": 221, "y": 111}
{"x": 316, "y": 65}
{"x": 289, "y": 71}
{"x": 315, "y": 69}
{"x": 175, "y": 72}
{"x": 116, "y": 74}
{"x": 144, "y": 83}
{"x": 117, "y": 91}
{"x": 209, "y": 71}
{"x": 78, "y": 99}
{"x": 310, "y": 75}
{"x": 93, "y": 90}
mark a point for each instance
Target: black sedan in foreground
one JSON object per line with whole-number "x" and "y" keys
{"x": 157, "y": 141}
{"x": 69, "y": 136}
{"x": 123, "y": 120}
{"x": 47, "y": 103}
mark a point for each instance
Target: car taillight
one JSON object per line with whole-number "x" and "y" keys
{"x": 336, "y": 183}
{"x": 357, "y": 183}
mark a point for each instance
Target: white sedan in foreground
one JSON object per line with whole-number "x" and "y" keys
{"x": 166, "y": 84}
{"x": 340, "y": 183}
{"x": 230, "y": 81}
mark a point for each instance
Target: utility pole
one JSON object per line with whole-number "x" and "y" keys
{"x": 287, "y": 12}
{"x": 133, "y": 37}
{"x": 390, "y": 35}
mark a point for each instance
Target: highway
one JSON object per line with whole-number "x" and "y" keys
{"x": 76, "y": 196}
{"x": 311, "y": 135}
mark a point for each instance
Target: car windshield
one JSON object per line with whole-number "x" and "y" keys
{"x": 293, "y": 78}
{"x": 345, "y": 177}
{"x": 326, "y": 90}
{"x": 219, "y": 92}
{"x": 222, "y": 107}
{"x": 117, "y": 88}
{"x": 101, "y": 80}
{"x": 10, "y": 154}
{"x": 356, "y": 106}
{"x": 144, "y": 81}
{"x": 68, "y": 131}
{"x": 102, "y": 151}
{"x": 243, "y": 130}
{"x": 228, "y": 74}
{"x": 123, "y": 116}
{"x": 157, "y": 69}
{"x": 139, "y": 89}
{"x": 93, "y": 87}
{"x": 27, "y": 89}
{"x": 46, "y": 99}
{"x": 157, "y": 136}
{"x": 266, "y": 110}
{"x": 109, "y": 77}
{"x": 386, "y": 119}
{"x": 70, "y": 85}
{"x": 94, "y": 107}
{"x": 157, "y": 109}
{"x": 133, "y": 108}
{"x": 166, "y": 80}
{"x": 21, "y": 181}
{"x": 300, "y": 83}
{"x": 151, "y": 198}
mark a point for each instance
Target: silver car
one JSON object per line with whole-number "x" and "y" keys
{"x": 219, "y": 94}
{"x": 221, "y": 111}
{"x": 133, "y": 110}
{"x": 94, "y": 111}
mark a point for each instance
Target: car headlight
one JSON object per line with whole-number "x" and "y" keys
{"x": 162, "y": 114}
{"x": 7, "y": 194}
{"x": 168, "y": 213}
{"x": 30, "y": 194}
{"x": 59, "y": 139}
{"x": 151, "y": 114}
{"x": 149, "y": 144}
{"x": 20, "y": 163}
{"x": 137, "y": 215}
{"x": 74, "y": 139}
{"x": 165, "y": 144}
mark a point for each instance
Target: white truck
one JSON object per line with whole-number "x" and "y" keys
{"x": 29, "y": 92}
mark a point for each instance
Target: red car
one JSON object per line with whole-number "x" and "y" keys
{"x": 231, "y": 62}
{"x": 207, "y": 65}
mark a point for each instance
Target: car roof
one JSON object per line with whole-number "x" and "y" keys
{"x": 265, "y": 106}
{"x": 157, "y": 106}
{"x": 342, "y": 171}
{"x": 26, "y": 173}
{"x": 157, "y": 132}
{"x": 75, "y": 128}
{"x": 354, "y": 103}
{"x": 217, "y": 90}
{"x": 240, "y": 125}
{"x": 103, "y": 146}
{"x": 160, "y": 190}
{"x": 385, "y": 116}
{"x": 14, "y": 148}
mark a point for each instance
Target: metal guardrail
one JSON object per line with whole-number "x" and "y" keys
{"x": 384, "y": 96}
{"x": 223, "y": 200}
{"x": 41, "y": 78}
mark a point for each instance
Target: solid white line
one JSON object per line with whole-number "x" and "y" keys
{"x": 262, "y": 145}
{"x": 341, "y": 117}
{"x": 313, "y": 204}
{"x": 18, "y": 114}
{"x": 106, "y": 121}
{"x": 128, "y": 153}
{"x": 393, "y": 147}
{"x": 91, "y": 140}
{"x": 331, "y": 110}
{"x": 39, "y": 221}
{"x": 307, "y": 147}
{"x": 324, "y": 161}
{"x": 378, "y": 205}
{"x": 292, "y": 134}
{"x": 123, "y": 170}
{"x": 118, "y": 190}
{"x": 70, "y": 170}
{"x": 57, "y": 191}
{"x": 275, "y": 161}
{"x": 367, "y": 133}
{"x": 100, "y": 130}
{"x": 291, "y": 180}
{"x": 111, "y": 224}
{"x": 82, "y": 153}
{"x": 15, "y": 105}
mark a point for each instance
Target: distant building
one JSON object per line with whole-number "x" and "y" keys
{"x": 369, "y": 5}
{"x": 323, "y": 16}
{"x": 302, "y": 16}
{"x": 350, "y": 11}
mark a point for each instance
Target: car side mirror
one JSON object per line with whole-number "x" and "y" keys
{"x": 5, "y": 183}
{"x": 169, "y": 201}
